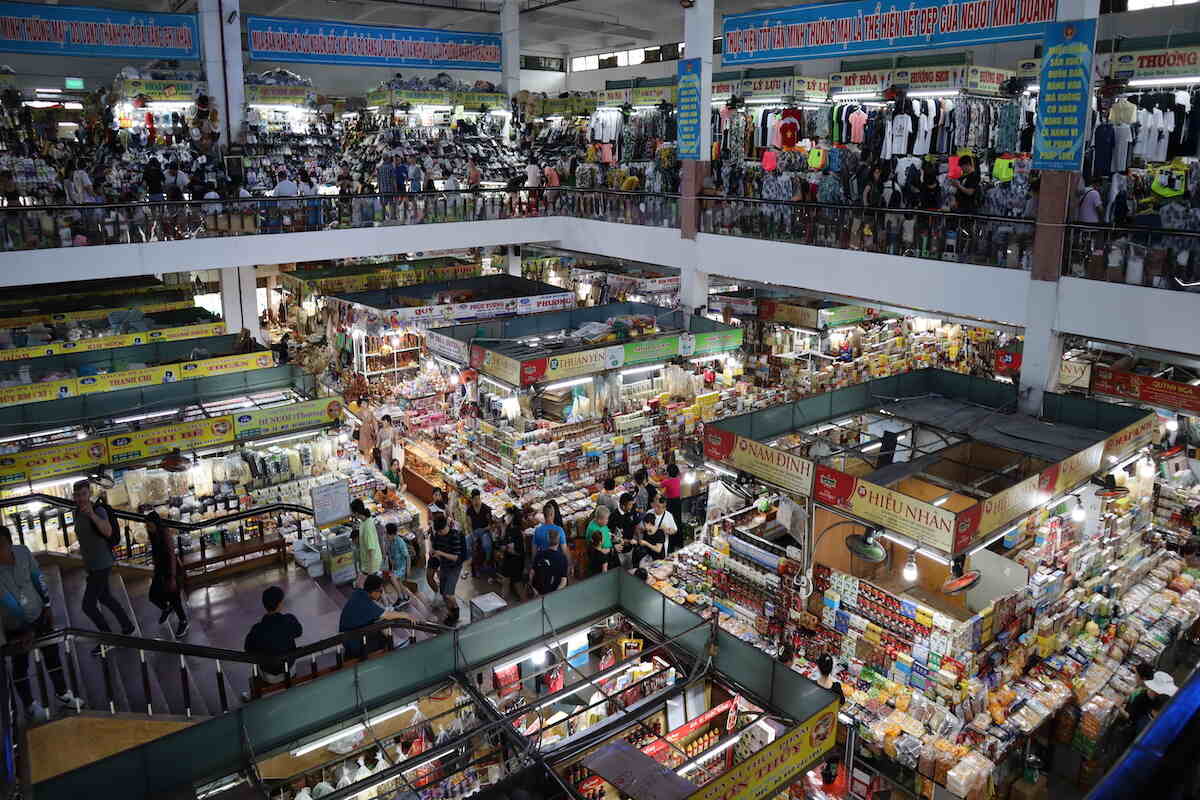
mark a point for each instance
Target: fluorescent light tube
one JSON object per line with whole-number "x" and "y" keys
{"x": 640, "y": 370}
{"x": 872, "y": 447}
{"x": 355, "y": 728}
{"x": 1177, "y": 81}
{"x": 721, "y": 748}
{"x": 567, "y": 384}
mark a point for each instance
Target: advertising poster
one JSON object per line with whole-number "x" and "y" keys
{"x": 288, "y": 418}
{"x": 687, "y": 112}
{"x": 317, "y": 42}
{"x": 858, "y": 27}
{"x": 1064, "y": 102}
{"x": 162, "y": 439}
{"x": 925, "y": 522}
{"x": 1146, "y": 389}
{"x": 49, "y": 462}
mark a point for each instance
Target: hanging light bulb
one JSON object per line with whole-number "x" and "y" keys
{"x": 1077, "y": 513}
{"x": 1146, "y": 468}
{"x": 1172, "y": 425}
{"x": 539, "y": 657}
{"x": 910, "y": 567}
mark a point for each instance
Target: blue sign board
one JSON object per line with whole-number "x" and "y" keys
{"x": 857, "y": 27}
{"x": 1064, "y": 95}
{"x": 687, "y": 110}
{"x": 98, "y": 32}
{"x": 309, "y": 42}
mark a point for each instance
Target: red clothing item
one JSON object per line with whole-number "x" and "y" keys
{"x": 670, "y": 488}
{"x": 551, "y": 177}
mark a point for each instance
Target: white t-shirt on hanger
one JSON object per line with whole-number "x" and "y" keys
{"x": 902, "y": 126}
{"x": 924, "y": 132}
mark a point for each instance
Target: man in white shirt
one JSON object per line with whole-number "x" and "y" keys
{"x": 664, "y": 522}
{"x": 286, "y": 187}
{"x": 175, "y": 177}
{"x": 533, "y": 175}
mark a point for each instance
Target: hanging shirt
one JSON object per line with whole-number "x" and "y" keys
{"x": 902, "y": 126}
{"x": 924, "y": 132}
{"x": 1122, "y": 136}
{"x": 858, "y": 121}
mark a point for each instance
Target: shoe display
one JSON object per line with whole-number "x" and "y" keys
{"x": 37, "y": 713}
{"x": 182, "y": 629}
{"x": 67, "y": 698}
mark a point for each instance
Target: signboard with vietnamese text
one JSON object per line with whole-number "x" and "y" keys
{"x": 812, "y": 88}
{"x": 261, "y": 95}
{"x": 761, "y": 775}
{"x": 688, "y": 113}
{"x": 379, "y": 98}
{"x": 498, "y": 366}
{"x": 610, "y": 98}
{"x": 928, "y": 78}
{"x": 928, "y": 524}
{"x": 49, "y": 462}
{"x": 1146, "y": 389}
{"x": 1164, "y": 63}
{"x": 1130, "y": 438}
{"x": 768, "y": 463}
{"x": 160, "y": 440}
{"x": 1064, "y": 100}
{"x": 781, "y": 86}
{"x": 858, "y": 27}
{"x": 652, "y": 95}
{"x": 92, "y": 313}
{"x": 55, "y": 30}
{"x": 788, "y": 313}
{"x": 38, "y": 392}
{"x": 287, "y": 418}
{"x": 987, "y": 80}
{"x": 875, "y": 80}
{"x": 96, "y": 343}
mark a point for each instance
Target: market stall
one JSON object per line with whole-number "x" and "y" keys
{"x": 932, "y": 551}
{"x": 285, "y": 131}
{"x": 597, "y": 280}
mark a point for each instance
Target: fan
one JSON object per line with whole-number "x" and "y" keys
{"x": 175, "y": 461}
{"x": 865, "y": 547}
{"x": 1109, "y": 489}
{"x": 101, "y": 480}
{"x": 960, "y": 580}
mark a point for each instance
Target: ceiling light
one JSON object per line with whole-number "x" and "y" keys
{"x": 353, "y": 729}
{"x": 1177, "y": 81}
{"x": 1077, "y": 513}
{"x": 1172, "y": 425}
{"x": 639, "y": 370}
{"x": 933, "y": 93}
{"x": 1146, "y": 468}
{"x": 567, "y": 384}
{"x": 538, "y": 657}
{"x": 856, "y": 96}
{"x": 941, "y": 500}
{"x": 49, "y": 91}
{"x": 910, "y": 567}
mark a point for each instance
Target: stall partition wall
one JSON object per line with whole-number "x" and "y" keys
{"x": 226, "y": 744}
{"x": 33, "y": 417}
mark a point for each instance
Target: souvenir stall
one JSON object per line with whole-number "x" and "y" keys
{"x": 933, "y": 588}
{"x": 285, "y": 131}
{"x": 631, "y": 142}
{"x": 597, "y": 280}
{"x": 568, "y": 399}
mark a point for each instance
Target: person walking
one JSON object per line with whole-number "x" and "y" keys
{"x": 363, "y": 610}
{"x": 273, "y": 636}
{"x": 599, "y": 538}
{"x": 25, "y": 614}
{"x": 167, "y": 585}
{"x": 511, "y": 549}
{"x": 96, "y": 536}
{"x": 449, "y": 548}
{"x": 549, "y": 570}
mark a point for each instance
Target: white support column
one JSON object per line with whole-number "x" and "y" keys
{"x": 510, "y": 31}
{"x": 221, "y": 43}
{"x": 239, "y": 300}
{"x": 513, "y": 258}
{"x": 693, "y": 289}
{"x": 1041, "y": 357}
{"x": 698, "y": 26}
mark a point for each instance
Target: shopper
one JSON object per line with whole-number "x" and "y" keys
{"x": 438, "y": 504}
{"x": 644, "y": 491}
{"x": 176, "y": 178}
{"x": 369, "y": 554}
{"x": 549, "y": 534}
{"x": 606, "y": 497}
{"x": 652, "y": 542}
{"x": 479, "y": 543}
{"x": 511, "y": 550}
{"x": 966, "y": 187}
{"x": 599, "y": 538}
{"x": 153, "y": 179}
{"x": 1139, "y": 706}
{"x": 367, "y": 433}
{"x": 549, "y": 571}
{"x": 665, "y": 524}
{"x": 395, "y": 475}
{"x": 416, "y": 176}
{"x": 398, "y": 560}
{"x": 672, "y": 489}
{"x": 552, "y": 180}
{"x": 282, "y": 354}
{"x": 931, "y": 190}
{"x": 363, "y": 610}
{"x": 272, "y": 637}
{"x": 554, "y": 509}
{"x": 624, "y": 525}
{"x": 449, "y": 548}
{"x": 25, "y": 614}
{"x": 97, "y": 536}
{"x": 166, "y": 588}
{"x": 872, "y": 193}
{"x": 825, "y": 677}
{"x": 1091, "y": 207}
{"x": 387, "y": 438}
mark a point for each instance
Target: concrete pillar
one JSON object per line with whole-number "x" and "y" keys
{"x": 239, "y": 300}
{"x": 693, "y": 289}
{"x": 221, "y": 44}
{"x": 510, "y": 46}
{"x": 698, "y": 26}
{"x": 513, "y": 258}
{"x": 1041, "y": 357}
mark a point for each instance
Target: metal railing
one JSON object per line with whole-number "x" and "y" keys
{"x": 1156, "y": 257}
{"x": 940, "y": 235}
{"x": 54, "y": 226}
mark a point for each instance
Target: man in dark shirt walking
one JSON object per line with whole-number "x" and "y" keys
{"x": 94, "y": 530}
{"x": 450, "y": 548}
{"x": 273, "y": 635}
{"x": 549, "y": 570}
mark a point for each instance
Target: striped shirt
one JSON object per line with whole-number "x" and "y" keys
{"x": 451, "y": 541}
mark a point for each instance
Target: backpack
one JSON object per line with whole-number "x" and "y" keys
{"x": 542, "y": 572}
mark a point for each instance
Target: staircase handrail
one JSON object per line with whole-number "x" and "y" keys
{"x": 133, "y": 516}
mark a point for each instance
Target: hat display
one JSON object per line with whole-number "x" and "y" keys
{"x": 1162, "y": 683}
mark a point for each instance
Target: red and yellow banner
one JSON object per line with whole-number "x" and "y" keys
{"x": 788, "y": 314}
{"x": 925, "y": 522}
{"x": 287, "y": 418}
{"x": 768, "y": 463}
{"x": 1130, "y": 438}
{"x": 1145, "y": 389}
{"x": 38, "y": 392}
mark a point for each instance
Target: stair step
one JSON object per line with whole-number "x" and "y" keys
{"x": 156, "y": 702}
{"x": 165, "y": 665}
{"x": 89, "y": 684}
{"x": 74, "y": 581}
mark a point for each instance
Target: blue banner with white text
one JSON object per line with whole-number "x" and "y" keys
{"x": 97, "y": 32}
{"x": 858, "y": 27}
{"x": 687, "y": 110}
{"x": 1064, "y": 95}
{"x": 309, "y": 42}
